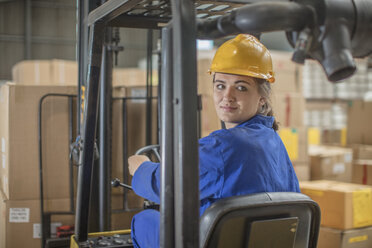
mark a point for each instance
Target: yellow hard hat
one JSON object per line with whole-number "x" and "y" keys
{"x": 244, "y": 55}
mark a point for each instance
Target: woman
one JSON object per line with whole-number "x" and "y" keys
{"x": 246, "y": 157}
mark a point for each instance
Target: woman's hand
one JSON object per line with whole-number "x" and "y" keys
{"x": 135, "y": 161}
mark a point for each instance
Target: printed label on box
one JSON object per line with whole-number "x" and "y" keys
{"x": 19, "y": 215}
{"x": 358, "y": 239}
{"x": 138, "y": 93}
{"x": 53, "y": 230}
{"x": 338, "y": 168}
{"x": 36, "y": 231}
{"x": 326, "y": 160}
{"x": 348, "y": 158}
{"x": 362, "y": 205}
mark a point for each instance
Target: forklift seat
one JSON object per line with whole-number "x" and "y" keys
{"x": 262, "y": 220}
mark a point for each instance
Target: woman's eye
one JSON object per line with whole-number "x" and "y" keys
{"x": 220, "y": 86}
{"x": 241, "y": 88}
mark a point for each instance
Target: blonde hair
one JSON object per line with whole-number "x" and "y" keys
{"x": 264, "y": 89}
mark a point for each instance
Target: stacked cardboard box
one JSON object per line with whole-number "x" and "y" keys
{"x": 330, "y": 118}
{"x": 19, "y": 170}
{"x": 334, "y": 137}
{"x": 20, "y": 220}
{"x": 346, "y": 213}
{"x": 45, "y": 72}
{"x": 362, "y": 164}
{"x": 331, "y": 163}
{"x": 359, "y": 123}
{"x": 353, "y": 238}
{"x": 132, "y": 77}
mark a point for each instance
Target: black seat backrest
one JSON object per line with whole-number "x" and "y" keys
{"x": 263, "y": 220}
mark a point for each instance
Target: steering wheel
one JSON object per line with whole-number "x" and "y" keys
{"x": 155, "y": 149}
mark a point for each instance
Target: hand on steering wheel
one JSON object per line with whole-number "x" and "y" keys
{"x": 135, "y": 161}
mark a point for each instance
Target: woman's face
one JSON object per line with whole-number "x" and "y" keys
{"x": 236, "y": 98}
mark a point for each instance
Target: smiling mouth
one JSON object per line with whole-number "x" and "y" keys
{"x": 228, "y": 108}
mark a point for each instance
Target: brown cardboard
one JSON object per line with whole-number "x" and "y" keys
{"x": 331, "y": 163}
{"x": 19, "y": 172}
{"x": 122, "y": 221}
{"x": 334, "y": 137}
{"x": 32, "y": 72}
{"x": 209, "y": 119}
{"x": 132, "y": 77}
{"x": 45, "y": 72}
{"x": 362, "y": 151}
{"x": 343, "y": 205}
{"x": 64, "y": 72}
{"x": 302, "y": 170}
{"x": 205, "y": 79}
{"x": 289, "y": 109}
{"x": 353, "y": 238}
{"x": 362, "y": 172}
{"x": 359, "y": 123}
{"x": 20, "y": 221}
{"x": 288, "y": 75}
{"x": 133, "y": 201}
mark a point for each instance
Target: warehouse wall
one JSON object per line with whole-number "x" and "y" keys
{"x": 53, "y": 34}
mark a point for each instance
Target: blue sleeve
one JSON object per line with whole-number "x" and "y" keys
{"x": 146, "y": 181}
{"x": 211, "y": 167}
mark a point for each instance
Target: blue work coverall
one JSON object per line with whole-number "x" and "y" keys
{"x": 248, "y": 158}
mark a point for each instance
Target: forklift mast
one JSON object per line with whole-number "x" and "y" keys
{"x": 332, "y": 32}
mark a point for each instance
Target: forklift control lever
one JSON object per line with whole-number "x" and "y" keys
{"x": 116, "y": 183}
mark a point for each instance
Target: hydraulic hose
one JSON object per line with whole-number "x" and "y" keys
{"x": 257, "y": 18}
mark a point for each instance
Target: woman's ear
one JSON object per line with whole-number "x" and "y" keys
{"x": 262, "y": 101}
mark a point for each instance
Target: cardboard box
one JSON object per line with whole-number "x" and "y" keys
{"x": 359, "y": 123}
{"x": 295, "y": 141}
{"x": 343, "y": 205}
{"x": 289, "y": 109}
{"x": 288, "y": 75}
{"x": 334, "y": 136}
{"x": 331, "y": 163}
{"x": 362, "y": 172}
{"x": 130, "y": 201}
{"x": 209, "y": 119}
{"x": 205, "y": 79}
{"x": 122, "y": 221}
{"x": 19, "y": 170}
{"x": 45, "y": 72}
{"x": 132, "y": 77}
{"x": 362, "y": 151}
{"x": 353, "y": 238}
{"x": 302, "y": 170}
{"x": 20, "y": 221}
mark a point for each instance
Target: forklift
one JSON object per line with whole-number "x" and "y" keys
{"x": 331, "y": 32}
